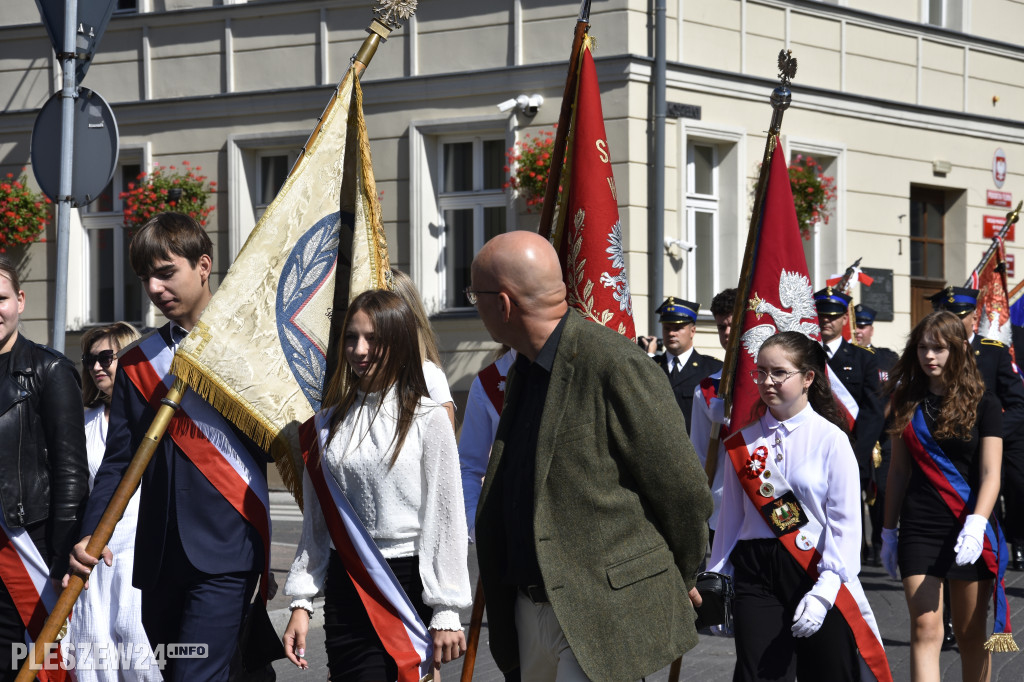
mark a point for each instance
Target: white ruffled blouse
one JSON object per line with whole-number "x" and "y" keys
{"x": 414, "y": 507}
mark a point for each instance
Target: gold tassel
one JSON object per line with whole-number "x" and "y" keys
{"x": 1001, "y": 642}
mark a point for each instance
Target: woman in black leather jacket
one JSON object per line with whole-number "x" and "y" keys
{"x": 44, "y": 470}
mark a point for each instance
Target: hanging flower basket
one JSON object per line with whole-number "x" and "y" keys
{"x": 529, "y": 163}
{"x": 813, "y": 193}
{"x": 168, "y": 189}
{"x": 23, "y": 212}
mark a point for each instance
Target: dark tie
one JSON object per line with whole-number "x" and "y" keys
{"x": 675, "y": 369}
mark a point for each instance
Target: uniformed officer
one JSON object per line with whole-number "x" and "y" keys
{"x": 864, "y": 316}
{"x": 1003, "y": 380}
{"x": 886, "y": 359}
{"x": 684, "y": 366}
{"x": 857, "y": 369}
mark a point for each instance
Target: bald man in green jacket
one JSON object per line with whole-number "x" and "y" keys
{"x": 593, "y": 516}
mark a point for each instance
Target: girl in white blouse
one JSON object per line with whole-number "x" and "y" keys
{"x": 785, "y": 623}
{"x": 392, "y": 452}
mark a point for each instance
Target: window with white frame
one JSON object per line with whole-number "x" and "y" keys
{"x": 471, "y": 206}
{"x": 272, "y": 171}
{"x": 823, "y": 247}
{"x": 113, "y": 291}
{"x": 258, "y": 166}
{"x": 702, "y": 218}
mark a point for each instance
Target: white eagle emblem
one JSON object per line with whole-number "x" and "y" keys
{"x": 796, "y": 295}
{"x": 618, "y": 282}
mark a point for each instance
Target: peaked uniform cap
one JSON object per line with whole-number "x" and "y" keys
{"x": 677, "y": 311}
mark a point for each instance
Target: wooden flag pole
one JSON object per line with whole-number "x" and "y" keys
{"x": 475, "y": 623}
{"x": 547, "y": 213}
{"x": 780, "y": 100}
{"x": 113, "y": 513}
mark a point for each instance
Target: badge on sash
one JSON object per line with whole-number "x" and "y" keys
{"x": 755, "y": 463}
{"x": 784, "y": 514}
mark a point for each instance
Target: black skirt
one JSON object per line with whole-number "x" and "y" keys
{"x": 354, "y": 651}
{"x": 931, "y": 554}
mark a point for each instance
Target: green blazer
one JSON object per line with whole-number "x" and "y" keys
{"x": 620, "y": 516}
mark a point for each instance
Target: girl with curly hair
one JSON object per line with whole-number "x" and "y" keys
{"x": 942, "y": 486}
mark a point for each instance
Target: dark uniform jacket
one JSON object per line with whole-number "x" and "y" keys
{"x": 857, "y": 368}
{"x": 997, "y": 370}
{"x": 620, "y": 511}
{"x": 697, "y": 368}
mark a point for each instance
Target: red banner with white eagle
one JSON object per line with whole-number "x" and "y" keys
{"x": 588, "y": 235}
{"x": 780, "y": 295}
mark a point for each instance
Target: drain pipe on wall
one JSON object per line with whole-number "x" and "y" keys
{"x": 656, "y": 226}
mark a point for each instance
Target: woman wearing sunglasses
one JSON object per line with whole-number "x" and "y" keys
{"x": 43, "y": 470}
{"x": 110, "y": 612}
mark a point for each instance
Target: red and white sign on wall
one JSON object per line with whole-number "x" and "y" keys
{"x": 994, "y": 197}
{"x": 1010, "y": 263}
{"x": 999, "y": 168}
{"x": 994, "y": 223}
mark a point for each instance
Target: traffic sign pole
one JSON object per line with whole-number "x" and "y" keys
{"x": 67, "y": 149}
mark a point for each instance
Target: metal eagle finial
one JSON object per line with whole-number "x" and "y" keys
{"x": 392, "y": 12}
{"x": 787, "y": 66}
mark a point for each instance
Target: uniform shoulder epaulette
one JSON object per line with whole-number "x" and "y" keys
{"x": 870, "y": 350}
{"x": 992, "y": 342}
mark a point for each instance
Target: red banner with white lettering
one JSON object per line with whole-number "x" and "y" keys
{"x": 588, "y": 235}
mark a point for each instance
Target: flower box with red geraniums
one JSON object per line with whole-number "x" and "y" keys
{"x": 154, "y": 193}
{"x": 813, "y": 193}
{"x": 529, "y": 162}
{"x": 23, "y": 212}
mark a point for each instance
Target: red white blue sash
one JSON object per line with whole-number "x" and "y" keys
{"x": 394, "y": 618}
{"x": 27, "y": 579}
{"x": 204, "y": 436}
{"x": 958, "y": 496}
{"x": 801, "y": 534}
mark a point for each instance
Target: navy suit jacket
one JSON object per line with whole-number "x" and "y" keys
{"x": 176, "y": 497}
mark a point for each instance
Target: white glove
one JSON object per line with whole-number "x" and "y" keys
{"x": 890, "y": 540}
{"x": 810, "y": 614}
{"x": 971, "y": 540}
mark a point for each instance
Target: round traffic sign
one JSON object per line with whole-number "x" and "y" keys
{"x": 95, "y": 147}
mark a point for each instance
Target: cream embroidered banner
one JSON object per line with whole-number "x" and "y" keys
{"x": 259, "y": 351}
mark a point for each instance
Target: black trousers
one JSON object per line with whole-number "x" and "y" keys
{"x": 1013, "y": 497}
{"x": 769, "y": 585}
{"x": 193, "y": 607}
{"x": 12, "y": 632}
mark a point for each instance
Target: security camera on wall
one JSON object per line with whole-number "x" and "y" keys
{"x": 528, "y": 105}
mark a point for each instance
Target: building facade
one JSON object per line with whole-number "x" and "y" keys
{"x": 903, "y": 102}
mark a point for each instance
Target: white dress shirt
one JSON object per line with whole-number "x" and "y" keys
{"x": 701, "y": 423}
{"x": 820, "y": 467}
{"x": 832, "y": 346}
{"x": 679, "y": 360}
